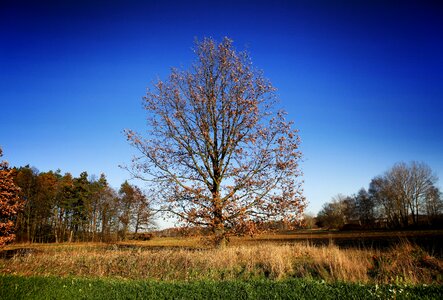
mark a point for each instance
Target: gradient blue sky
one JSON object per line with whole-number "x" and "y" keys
{"x": 363, "y": 80}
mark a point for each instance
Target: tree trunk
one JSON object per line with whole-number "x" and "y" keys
{"x": 220, "y": 238}
{"x": 219, "y": 226}
{"x": 137, "y": 224}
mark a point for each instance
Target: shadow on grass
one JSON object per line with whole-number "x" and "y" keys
{"x": 10, "y": 253}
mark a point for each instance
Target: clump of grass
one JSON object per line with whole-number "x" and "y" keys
{"x": 334, "y": 264}
{"x": 405, "y": 263}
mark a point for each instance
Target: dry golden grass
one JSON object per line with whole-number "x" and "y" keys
{"x": 188, "y": 259}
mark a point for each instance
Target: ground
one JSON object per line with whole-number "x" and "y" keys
{"x": 405, "y": 260}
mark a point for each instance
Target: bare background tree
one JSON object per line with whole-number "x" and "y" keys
{"x": 216, "y": 152}
{"x": 336, "y": 213}
{"x": 134, "y": 210}
{"x": 405, "y": 195}
{"x": 405, "y": 191}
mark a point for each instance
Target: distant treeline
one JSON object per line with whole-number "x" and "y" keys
{"x": 405, "y": 196}
{"x": 60, "y": 208}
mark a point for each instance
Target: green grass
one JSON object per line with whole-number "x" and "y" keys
{"x": 18, "y": 287}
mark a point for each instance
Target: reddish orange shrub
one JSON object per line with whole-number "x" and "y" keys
{"x": 10, "y": 203}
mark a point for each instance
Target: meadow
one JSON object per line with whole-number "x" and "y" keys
{"x": 344, "y": 264}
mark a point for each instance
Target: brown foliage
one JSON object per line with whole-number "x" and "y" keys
{"x": 217, "y": 153}
{"x": 10, "y": 203}
{"x": 62, "y": 208}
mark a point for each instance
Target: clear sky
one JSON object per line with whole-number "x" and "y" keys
{"x": 362, "y": 80}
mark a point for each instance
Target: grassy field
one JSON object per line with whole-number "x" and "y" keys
{"x": 276, "y": 264}
{"x": 15, "y": 287}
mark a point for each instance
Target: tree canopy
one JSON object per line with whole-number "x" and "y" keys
{"x": 64, "y": 208}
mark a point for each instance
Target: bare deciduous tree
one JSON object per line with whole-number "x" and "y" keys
{"x": 404, "y": 192}
{"x": 336, "y": 213}
{"x": 365, "y": 207}
{"x": 135, "y": 209}
{"x": 409, "y": 186}
{"x": 434, "y": 204}
{"x": 216, "y": 152}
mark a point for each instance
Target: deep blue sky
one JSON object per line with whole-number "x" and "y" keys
{"x": 363, "y": 80}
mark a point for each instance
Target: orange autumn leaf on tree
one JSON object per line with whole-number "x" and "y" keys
{"x": 10, "y": 203}
{"x": 218, "y": 154}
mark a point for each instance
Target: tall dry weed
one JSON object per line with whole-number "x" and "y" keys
{"x": 406, "y": 262}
